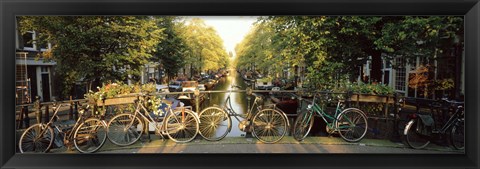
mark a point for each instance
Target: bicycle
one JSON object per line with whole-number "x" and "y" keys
{"x": 350, "y": 123}
{"x": 179, "y": 124}
{"x": 420, "y": 130}
{"x": 88, "y": 135}
{"x": 268, "y": 125}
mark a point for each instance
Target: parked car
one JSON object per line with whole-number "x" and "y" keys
{"x": 201, "y": 87}
{"x": 175, "y": 86}
{"x": 162, "y": 88}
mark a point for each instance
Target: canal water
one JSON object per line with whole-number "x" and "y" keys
{"x": 238, "y": 100}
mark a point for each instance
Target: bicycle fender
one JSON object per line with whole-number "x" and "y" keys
{"x": 102, "y": 121}
{"x": 407, "y": 127}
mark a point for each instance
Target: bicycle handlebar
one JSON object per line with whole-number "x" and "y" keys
{"x": 452, "y": 101}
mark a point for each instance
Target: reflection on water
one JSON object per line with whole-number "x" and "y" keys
{"x": 238, "y": 100}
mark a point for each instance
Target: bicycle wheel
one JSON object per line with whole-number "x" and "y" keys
{"x": 352, "y": 125}
{"x": 457, "y": 135}
{"x": 181, "y": 126}
{"x": 36, "y": 139}
{"x": 215, "y": 123}
{"x": 302, "y": 126}
{"x": 415, "y": 139}
{"x": 269, "y": 126}
{"x": 90, "y": 136}
{"x": 124, "y": 129}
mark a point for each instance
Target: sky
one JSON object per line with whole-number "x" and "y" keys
{"x": 231, "y": 29}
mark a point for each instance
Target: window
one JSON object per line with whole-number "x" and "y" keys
{"x": 400, "y": 74}
{"x": 31, "y": 43}
{"x": 28, "y": 42}
{"x": 43, "y": 45}
{"x": 388, "y": 64}
{"x": 44, "y": 69}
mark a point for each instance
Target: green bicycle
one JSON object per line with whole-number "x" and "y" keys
{"x": 350, "y": 123}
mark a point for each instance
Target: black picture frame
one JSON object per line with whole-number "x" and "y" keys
{"x": 10, "y": 8}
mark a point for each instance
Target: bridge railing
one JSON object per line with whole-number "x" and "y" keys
{"x": 42, "y": 109}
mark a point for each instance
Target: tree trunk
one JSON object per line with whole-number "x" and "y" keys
{"x": 191, "y": 70}
{"x": 376, "y": 72}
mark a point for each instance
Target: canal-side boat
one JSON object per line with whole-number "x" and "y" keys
{"x": 209, "y": 83}
{"x": 285, "y": 102}
{"x": 189, "y": 99}
{"x": 264, "y": 84}
{"x": 189, "y": 86}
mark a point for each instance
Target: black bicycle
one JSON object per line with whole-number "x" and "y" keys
{"x": 267, "y": 123}
{"x": 421, "y": 130}
{"x": 87, "y": 134}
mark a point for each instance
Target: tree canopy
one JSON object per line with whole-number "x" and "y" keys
{"x": 206, "y": 51}
{"x": 343, "y": 43}
{"x": 96, "y": 48}
{"x": 99, "y": 49}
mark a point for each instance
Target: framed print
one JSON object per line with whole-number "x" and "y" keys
{"x": 239, "y": 84}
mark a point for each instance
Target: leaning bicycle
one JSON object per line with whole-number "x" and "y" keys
{"x": 421, "y": 129}
{"x": 266, "y": 123}
{"x": 87, "y": 135}
{"x": 350, "y": 123}
{"x": 179, "y": 124}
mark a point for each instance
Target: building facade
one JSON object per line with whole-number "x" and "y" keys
{"x": 444, "y": 75}
{"x": 33, "y": 74}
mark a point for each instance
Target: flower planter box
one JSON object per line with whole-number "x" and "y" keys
{"x": 372, "y": 98}
{"x": 365, "y": 98}
{"x": 124, "y": 99}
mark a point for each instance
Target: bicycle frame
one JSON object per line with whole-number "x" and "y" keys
{"x": 318, "y": 110}
{"x": 150, "y": 119}
{"x": 451, "y": 121}
{"x": 228, "y": 107}
{"x": 66, "y": 137}
{"x": 50, "y": 122}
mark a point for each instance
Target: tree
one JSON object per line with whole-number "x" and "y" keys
{"x": 351, "y": 39}
{"x": 206, "y": 51}
{"x": 95, "y": 49}
{"x": 171, "y": 51}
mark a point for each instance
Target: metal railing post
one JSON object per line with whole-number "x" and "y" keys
{"x": 396, "y": 135}
{"x": 75, "y": 111}
{"x": 20, "y": 121}
{"x": 196, "y": 93}
{"x": 38, "y": 109}
{"x": 70, "y": 113}
{"x": 54, "y": 106}
{"x": 348, "y": 98}
{"x": 47, "y": 113}
{"x": 26, "y": 119}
